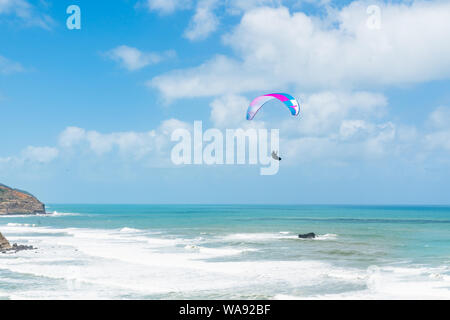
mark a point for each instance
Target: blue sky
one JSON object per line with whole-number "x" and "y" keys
{"x": 86, "y": 115}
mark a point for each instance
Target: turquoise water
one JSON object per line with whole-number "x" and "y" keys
{"x": 228, "y": 251}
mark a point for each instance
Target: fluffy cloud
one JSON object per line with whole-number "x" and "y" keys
{"x": 20, "y": 8}
{"x": 440, "y": 118}
{"x": 204, "y": 22}
{"x": 219, "y": 76}
{"x": 40, "y": 154}
{"x": 134, "y": 145}
{"x": 325, "y": 112}
{"x": 438, "y": 140}
{"x": 205, "y": 19}
{"x": 238, "y": 6}
{"x": 351, "y": 128}
{"x": 150, "y": 148}
{"x": 228, "y": 111}
{"x": 358, "y": 135}
{"x": 31, "y": 154}
{"x": 439, "y": 123}
{"x": 335, "y": 51}
{"x": 25, "y": 12}
{"x": 134, "y": 59}
{"x": 340, "y": 126}
{"x": 369, "y": 142}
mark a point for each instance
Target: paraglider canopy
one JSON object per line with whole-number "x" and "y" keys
{"x": 288, "y": 100}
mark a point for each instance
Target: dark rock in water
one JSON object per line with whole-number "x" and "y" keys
{"x": 17, "y": 247}
{"x": 310, "y": 235}
{"x": 5, "y": 246}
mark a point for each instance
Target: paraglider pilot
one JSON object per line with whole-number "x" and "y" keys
{"x": 275, "y": 156}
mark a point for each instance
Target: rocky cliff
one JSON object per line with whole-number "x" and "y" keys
{"x": 4, "y": 244}
{"x": 13, "y": 201}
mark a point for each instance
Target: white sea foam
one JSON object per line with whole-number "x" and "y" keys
{"x": 412, "y": 283}
{"x": 262, "y": 237}
{"x": 20, "y": 225}
{"x": 12, "y": 216}
{"x": 29, "y": 228}
{"x": 129, "y": 230}
{"x": 99, "y": 263}
{"x": 60, "y": 214}
{"x": 45, "y": 215}
{"x": 327, "y": 236}
{"x": 249, "y": 237}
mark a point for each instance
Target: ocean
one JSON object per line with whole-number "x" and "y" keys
{"x": 228, "y": 252}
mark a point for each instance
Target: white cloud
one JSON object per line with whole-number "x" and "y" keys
{"x": 32, "y": 154}
{"x": 40, "y": 154}
{"x": 325, "y": 113}
{"x": 238, "y": 6}
{"x": 26, "y": 12}
{"x": 131, "y": 144}
{"x": 338, "y": 125}
{"x": 204, "y": 21}
{"x": 311, "y": 52}
{"x": 150, "y": 148}
{"x": 233, "y": 7}
{"x": 168, "y": 6}
{"x": 439, "y": 122}
{"x": 206, "y": 17}
{"x": 6, "y": 160}
{"x": 228, "y": 111}
{"x": 134, "y": 59}
{"x": 19, "y": 7}
{"x": 101, "y": 143}
{"x": 210, "y": 79}
{"x": 438, "y": 140}
{"x": 71, "y": 136}
{"x": 351, "y": 128}
{"x": 377, "y": 144}
{"x": 440, "y": 118}
{"x": 372, "y": 142}
{"x": 7, "y": 66}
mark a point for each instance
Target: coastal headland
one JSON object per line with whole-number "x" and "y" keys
{"x": 14, "y": 201}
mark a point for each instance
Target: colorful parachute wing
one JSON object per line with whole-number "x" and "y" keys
{"x": 288, "y": 100}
